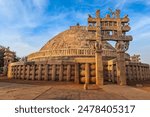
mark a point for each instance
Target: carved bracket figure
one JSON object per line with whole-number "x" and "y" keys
{"x": 122, "y": 46}
{"x": 92, "y": 44}
{"x": 98, "y": 46}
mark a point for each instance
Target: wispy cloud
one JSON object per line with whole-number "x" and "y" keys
{"x": 120, "y": 4}
{"x": 20, "y": 21}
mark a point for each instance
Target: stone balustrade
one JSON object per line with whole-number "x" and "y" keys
{"x": 68, "y": 52}
{"x": 83, "y": 72}
{"x": 134, "y": 71}
{"x": 137, "y": 71}
{"x": 54, "y": 72}
{"x": 75, "y": 72}
{"x": 78, "y": 27}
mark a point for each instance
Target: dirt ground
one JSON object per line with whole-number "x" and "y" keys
{"x": 145, "y": 85}
{"x": 16, "y": 89}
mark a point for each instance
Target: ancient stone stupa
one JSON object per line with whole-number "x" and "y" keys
{"x": 83, "y": 54}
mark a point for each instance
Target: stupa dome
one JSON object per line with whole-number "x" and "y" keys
{"x": 73, "y": 43}
{"x": 74, "y": 38}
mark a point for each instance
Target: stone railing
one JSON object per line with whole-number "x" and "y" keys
{"x": 75, "y": 72}
{"x": 78, "y": 27}
{"x": 68, "y": 52}
{"x": 91, "y": 28}
{"x": 134, "y": 71}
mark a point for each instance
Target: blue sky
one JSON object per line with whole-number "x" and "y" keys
{"x": 26, "y": 25}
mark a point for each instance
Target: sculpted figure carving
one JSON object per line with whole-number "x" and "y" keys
{"x": 122, "y": 46}
{"x": 126, "y": 45}
{"x": 84, "y": 43}
{"x": 98, "y": 45}
{"x": 91, "y": 44}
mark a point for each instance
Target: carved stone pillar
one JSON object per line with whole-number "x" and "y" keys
{"x": 133, "y": 73}
{"x": 16, "y": 71}
{"x": 137, "y": 72}
{"x": 129, "y": 72}
{"x": 10, "y": 71}
{"x": 98, "y": 60}
{"x": 87, "y": 73}
{"x": 28, "y": 72}
{"x": 19, "y": 72}
{"x": 13, "y": 72}
{"x": 39, "y": 72}
{"x": 33, "y": 72}
{"x": 77, "y": 73}
{"x": 121, "y": 47}
{"x": 144, "y": 73}
{"x": 121, "y": 69}
{"x": 23, "y": 72}
{"x": 68, "y": 72}
{"x": 61, "y": 73}
{"x": 99, "y": 68}
{"x": 53, "y": 72}
{"x": 46, "y": 72}
{"x": 141, "y": 73}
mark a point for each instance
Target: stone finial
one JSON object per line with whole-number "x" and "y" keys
{"x": 98, "y": 14}
{"x": 117, "y": 13}
{"x": 112, "y": 13}
{"x": 78, "y": 24}
{"x": 89, "y": 16}
{"x": 107, "y": 16}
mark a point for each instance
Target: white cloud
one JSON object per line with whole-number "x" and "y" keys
{"x": 140, "y": 22}
{"x": 120, "y": 4}
{"x": 19, "y": 19}
{"x": 140, "y": 27}
{"x": 40, "y": 3}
